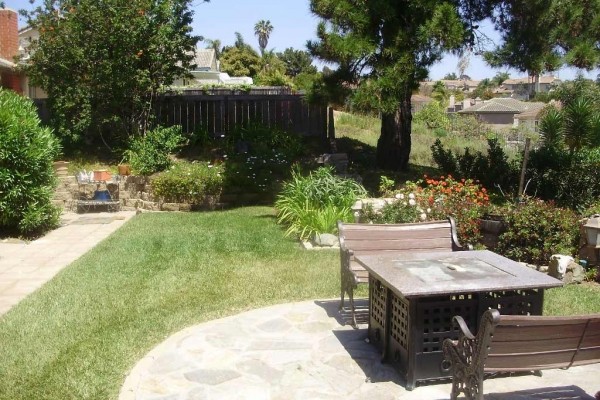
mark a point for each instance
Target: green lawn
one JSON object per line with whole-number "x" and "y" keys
{"x": 78, "y": 336}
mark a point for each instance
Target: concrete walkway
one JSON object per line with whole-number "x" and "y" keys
{"x": 302, "y": 351}
{"x": 26, "y": 266}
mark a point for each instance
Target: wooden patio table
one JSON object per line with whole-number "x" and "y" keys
{"x": 413, "y": 297}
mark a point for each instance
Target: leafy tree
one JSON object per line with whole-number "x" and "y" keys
{"x": 451, "y": 76}
{"x": 484, "y": 89}
{"x": 240, "y": 61}
{"x": 543, "y": 35}
{"x": 384, "y": 48}
{"x": 296, "y": 62}
{"x": 440, "y": 92}
{"x": 263, "y": 29}
{"x": 103, "y": 63}
{"x": 499, "y": 78}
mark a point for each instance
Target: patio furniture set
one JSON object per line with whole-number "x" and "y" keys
{"x": 427, "y": 293}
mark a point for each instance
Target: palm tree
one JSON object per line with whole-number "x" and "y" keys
{"x": 215, "y": 45}
{"x": 579, "y": 124}
{"x": 263, "y": 30}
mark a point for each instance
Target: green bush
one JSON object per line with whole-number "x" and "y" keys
{"x": 150, "y": 153}
{"x": 26, "y": 175}
{"x": 492, "y": 169}
{"x": 193, "y": 183}
{"x": 569, "y": 179}
{"x": 313, "y": 204}
{"x": 260, "y": 157}
{"x": 536, "y": 229}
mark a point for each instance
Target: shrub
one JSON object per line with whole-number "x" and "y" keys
{"x": 193, "y": 183}
{"x": 569, "y": 179}
{"x": 150, "y": 153}
{"x": 261, "y": 157}
{"x": 313, "y": 204}
{"x": 431, "y": 199}
{"x": 26, "y": 175}
{"x": 537, "y": 229}
{"x": 492, "y": 169}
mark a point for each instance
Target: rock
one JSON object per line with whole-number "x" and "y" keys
{"x": 575, "y": 273}
{"x": 558, "y": 265}
{"x": 326, "y": 240}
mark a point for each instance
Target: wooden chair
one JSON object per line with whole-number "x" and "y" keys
{"x": 362, "y": 239}
{"x": 519, "y": 343}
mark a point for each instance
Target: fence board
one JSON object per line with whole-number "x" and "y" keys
{"x": 219, "y": 111}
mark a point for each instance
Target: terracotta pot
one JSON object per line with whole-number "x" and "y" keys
{"x": 102, "y": 175}
{"x": 124, "y": 169}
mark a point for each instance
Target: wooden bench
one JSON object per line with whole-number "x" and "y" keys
{"x": 506, "y": 343}
{"x": 362, "y": 239}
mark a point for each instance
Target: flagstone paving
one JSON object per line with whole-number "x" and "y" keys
{"x": 302, "y": 351}
{"x": 26, "y": 266}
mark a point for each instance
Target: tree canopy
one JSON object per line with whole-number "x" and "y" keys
{"x": 263, "y": 29}
{"x": 102, "y": 63}
{"x": 384, "y": 48}
{"x": 297, "y": 61}
{"x": 240, "y": 59}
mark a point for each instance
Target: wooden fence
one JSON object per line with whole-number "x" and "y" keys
{"x": 219, "y": 111}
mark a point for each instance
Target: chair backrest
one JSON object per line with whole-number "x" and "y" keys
{"x": 377, "y": 238}
{"x": 526, "y": 343}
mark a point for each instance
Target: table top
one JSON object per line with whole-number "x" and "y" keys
{"x": 434, "y": 273}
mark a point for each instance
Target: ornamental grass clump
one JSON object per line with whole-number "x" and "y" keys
{"x": 26, "y": 175}
{"x": 313, "y": 204}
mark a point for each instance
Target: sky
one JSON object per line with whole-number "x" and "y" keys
{"x": 293, "y": 25}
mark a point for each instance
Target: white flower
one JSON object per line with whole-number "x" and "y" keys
{"x": 405, "y": 204}
{"x": 411, "y": 196}
{"x": 412, "y": 202}
{"x": 428, "y": 210}
{"x": 423, "y": 217}
{"x": 399, "y": 195}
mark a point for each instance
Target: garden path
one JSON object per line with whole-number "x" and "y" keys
{"x": 26, "y": 266}
{"x": 302, "y": 351}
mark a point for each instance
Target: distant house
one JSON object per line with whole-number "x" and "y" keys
{"x": 418, "y": 101}
{"x": 207, "y": 72}
{"x": 10, "y": 78}
{"x": 465, "y": 85}
{"x": 503, "y": 111}
{"x": 521, "y": 87}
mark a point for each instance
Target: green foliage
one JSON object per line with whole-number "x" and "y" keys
{"x": 569, "y": 179}
{"x": 273, "y": 77}
{"x": 240, "y": 61}
{"x": 194, "y": 183}
{"x": 313, "y": 204}
{"x": 259, "y": 157}
{"x": 551, "y": 127}
{"x": 536, "y": 229}
{"x": 26, "y": 175}
{"x": 440, "y": 92}
{"x": 150, "y": 154}
{"x": 492, "y": 169}
{"x": 434, "y": 115}
{"x": 297, "y": 62}
{"x": 484, "y": 89}
{"x": 102, "y": 63}
{"x": 451, "y": 76}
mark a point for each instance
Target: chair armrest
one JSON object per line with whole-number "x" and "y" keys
{"x": 464, "y": 329}
{"x": 456, "y": 246}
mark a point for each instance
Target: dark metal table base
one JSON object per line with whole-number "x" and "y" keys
{"x": 409, "y": 331}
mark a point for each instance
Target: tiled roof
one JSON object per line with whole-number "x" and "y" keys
{"x": 526, "y": 80}
{"x": 502, "y": 105}
{"x": 417, "y": 98}
{"x": 204, "y": 59}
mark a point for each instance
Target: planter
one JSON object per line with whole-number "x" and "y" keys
{"x": 124, "y": 169}
{"x": 102, "y": 175}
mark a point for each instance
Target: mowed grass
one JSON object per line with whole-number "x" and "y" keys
{"x": 80, "y": 334}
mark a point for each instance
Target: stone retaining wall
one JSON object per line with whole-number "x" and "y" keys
{"x": 133, "y": 192}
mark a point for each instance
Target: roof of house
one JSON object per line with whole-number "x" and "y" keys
{"x": 417, "y": 98}
{"x": 503, "y": 105}
{"x": 204, "y": 59}
{"x": 525, "y": 80}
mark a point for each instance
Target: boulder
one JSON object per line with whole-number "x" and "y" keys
{"x": 326, "y": 240}
{"x": 575, "y": 273}
{"x": 558, "y": 265}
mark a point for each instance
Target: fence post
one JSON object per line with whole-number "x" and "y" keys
{"x": 524, "y": 168}
{"x": 331, "y": 130}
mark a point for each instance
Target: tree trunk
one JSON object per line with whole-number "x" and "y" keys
{"x": 394, "y": 144}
